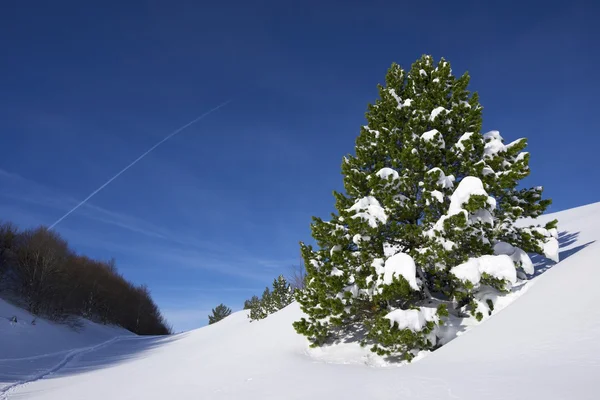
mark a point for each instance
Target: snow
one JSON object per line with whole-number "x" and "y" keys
{"x": 492, "y": 135}
{"x": 369, "y": 209}
{"x": 521, "y": 155}
{"x": 445, "y": 182}
{"x": 396, "y": 97}
{"x": 385, "y": 173}
{"x": 400, "y": 264}
{"x": 358, "y": 238}
{"x": 551, "y": 249}
{"x": 415, "y": 320}
{"x": 459, "y": 144}
{"x": 422, "y": 72}
{"x": 33, "y": 350}
{"x": 516, "y": 254}
{"x": 487, "y": 171}
{"x": 434, "y": 136}
{"x": 439, "y": 196}
{"x": 23, "y": 339}
{"x": 391, "y": 249}
{"x": 401, "y": 104}
{"x": 335, "y": 248}
{"x": 500, "y": 267}
{"x": 493, "y": 143}
{"x": 468, "y": 186}
{"x": 436, "y": 111}
{"x": 543, "y": 344}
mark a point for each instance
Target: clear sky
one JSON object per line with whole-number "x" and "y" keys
{"x": 214, "y": 214}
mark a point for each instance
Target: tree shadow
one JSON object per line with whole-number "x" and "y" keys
{"x": 542, "y": 264}
{"x": 455, "y": 326}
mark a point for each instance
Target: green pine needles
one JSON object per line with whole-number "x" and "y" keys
{"x": 426, "y": 226}
{"x": 218, "y": 313}
{"x": 271, "y": 301}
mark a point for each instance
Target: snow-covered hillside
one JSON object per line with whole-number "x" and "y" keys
{"x": 31, "y": 347}
{"x": 543, "y": 346}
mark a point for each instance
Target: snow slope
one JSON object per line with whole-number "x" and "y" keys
{"x": 22, "y": 339}
{"x": 543, "y": 346}
{"x": 29, "y": 351}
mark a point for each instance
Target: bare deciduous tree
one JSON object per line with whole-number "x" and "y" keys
{"x": 40, "y": 257}
{"x": 297, "y": 276}
{"x": 55, "y": 282}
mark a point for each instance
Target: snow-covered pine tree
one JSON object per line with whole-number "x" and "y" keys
{"x": 426, "y": 225}
{"x": 248, "y": 304}
{"x": 218, "y": 313}
{"x": 262, "y": 308}
{"x": 282, "y": 294}
{"x": 271, "y": 301}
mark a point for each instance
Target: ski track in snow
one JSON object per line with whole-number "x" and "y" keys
{"x": 70, "y": 355}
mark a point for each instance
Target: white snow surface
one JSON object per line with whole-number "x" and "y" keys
{"x": 391, "y": 249}
{"x": 516, "y": 254}
{"x": 358, "y": 238}
{"x": 415, "y": 320}
{"x": 467, "y": 187}
{"x": 405, "y": 103}
{"x": 439, "y": 196}
{"x": 465, "y": 136}
{"x": 385, "y": 173}
{"x": 24, "y": 339}
{"x": 369, "y": 209}
{"x": 445, "y": 182}
{"x": 500, "y": 266}
{"x": 494, "y": 143}
{"x": 435, "y": 112}
{"x": 543, "y": 345}
{"x": 400, "y": 264}
{"x": 551, "y": 249}
{"x": 434, "y": 136}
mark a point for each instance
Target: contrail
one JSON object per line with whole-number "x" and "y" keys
{"x": 169, "y": 136}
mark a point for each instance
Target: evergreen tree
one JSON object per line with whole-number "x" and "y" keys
{"x": 218, "y": 313}
{"x": 248, "y": 304}
{"x": 271, "y": 301}
{"x": 282, "y": 294}
{"x": 426, "y": 225}
{"x": 262, "y": 308}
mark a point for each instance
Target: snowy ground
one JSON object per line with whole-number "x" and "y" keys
{"x": 29, "y": 351}
{"x": 543, "y": 346}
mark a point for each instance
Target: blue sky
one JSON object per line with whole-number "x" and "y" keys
{"x": 217, "y": 212}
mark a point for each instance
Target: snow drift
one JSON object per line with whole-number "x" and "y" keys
{"x": 543, "y": 346}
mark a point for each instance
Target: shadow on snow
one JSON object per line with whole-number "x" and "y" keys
{"x": 14, "y": 373}
{"x": 541, "y": 265}
{"x": 565, "y": 239}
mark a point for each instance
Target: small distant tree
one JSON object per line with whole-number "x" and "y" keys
{"x": 248, "y": 304}
{"x": 272, "y": 300}
{"x": 261, "y": 308}
{"x": 282, "y": 294}
{"x": 218, "y": 313}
